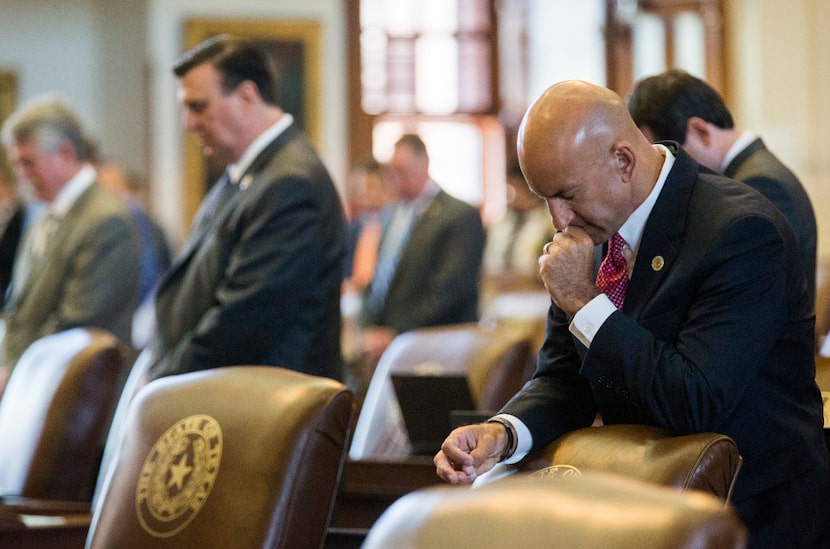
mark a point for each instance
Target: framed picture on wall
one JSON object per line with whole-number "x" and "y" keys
{"x": 8, "y": 102}
{"x": 295, "y": 48}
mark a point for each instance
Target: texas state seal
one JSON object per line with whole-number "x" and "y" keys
{"x": 178, "y": 475}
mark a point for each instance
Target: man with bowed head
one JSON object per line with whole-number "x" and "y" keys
{"x": 258, "y": 281}
{"x": 706, "y": 333}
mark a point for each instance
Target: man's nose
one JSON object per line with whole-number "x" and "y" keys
{"x": 190, "y": 121}
{"x": 560, "y": 214}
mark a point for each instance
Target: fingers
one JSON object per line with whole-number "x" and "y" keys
{"x": 454, "y": 463}
{"x": 452, "y": 472}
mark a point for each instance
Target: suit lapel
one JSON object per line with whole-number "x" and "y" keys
{"x": 418, "y": 235}
{"x": 663, "y": 235}
{"x": 262, "y": 159}
{"x": 59, "y": 235}
{"x": 743, "y": 156}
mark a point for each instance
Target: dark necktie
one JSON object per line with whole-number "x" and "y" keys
{"x": 213, "y": 202}
{"x": 612, "y": 278}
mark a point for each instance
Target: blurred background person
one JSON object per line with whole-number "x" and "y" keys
{"x": 156, "y": 254}
{"x": 368, "y": 199}
{"x": 155, "y": 248}
{"x": 429, "y": 259}
{"x": 676, "y": 106}
{"x": 11, "y": 228}
{"x": 514, "y": 243}
{"x": 369, "y": 209}
{"x": 78, "y": 264}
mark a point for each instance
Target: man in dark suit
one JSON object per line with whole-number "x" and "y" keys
{"x": 706, "y": 327}
{"x": 429, "y": 259}
{"x": 676, "y": 106}
{"x": 259, "y": 280}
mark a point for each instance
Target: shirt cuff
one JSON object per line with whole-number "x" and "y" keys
{"x": 588, "y": 319}
{"x": 524, "y": 440}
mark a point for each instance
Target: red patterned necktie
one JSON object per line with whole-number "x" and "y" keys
{"x": 612, "y": 278}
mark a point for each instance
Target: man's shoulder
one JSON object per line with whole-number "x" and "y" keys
{"x": 453, "y": 205}
{"x": 758, "y": 162}
{"x": 97, "y": 205}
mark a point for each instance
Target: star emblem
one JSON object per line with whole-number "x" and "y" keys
{"x": 178, "y": 472}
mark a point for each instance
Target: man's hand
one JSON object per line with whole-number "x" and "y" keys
{"x": 567, "y": 269}
{"x": 470, "y": 451}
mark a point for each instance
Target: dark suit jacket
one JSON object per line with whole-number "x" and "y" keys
{"x": 763, "y": 171}
{"x": 8, "y": 248}
{"x": 720, "y": 338}
{"x": 437, "y": 277}
{"x": 260, "y": 282}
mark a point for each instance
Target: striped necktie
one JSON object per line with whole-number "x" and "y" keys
{"x": 392, "y": 245}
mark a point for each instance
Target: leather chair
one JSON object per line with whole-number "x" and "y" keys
{"x": 244, "y": 456}
{"x": 497, "y": 360}
{"x": 138, "y": 377}
{"x": 55, "y": 413}
{"x": 822, "y": 304}
{"x": 707, "y": 462}
{"x": 823, "y": 382}
{"x": 596, "y": 511}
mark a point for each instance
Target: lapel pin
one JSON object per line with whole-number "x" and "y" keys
{"x": 246, "y": 182}
{"x": 657, "y": 263}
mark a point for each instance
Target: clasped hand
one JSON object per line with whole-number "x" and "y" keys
{"x": 470, "y": 451}
{"x": 567, "y": 269}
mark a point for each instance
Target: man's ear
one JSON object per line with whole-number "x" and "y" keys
{"x": 248, "y": 91}
{"x": 698, "y": 130}
{"x": 626, "y": 159}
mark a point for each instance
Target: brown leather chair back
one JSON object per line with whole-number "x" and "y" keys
{"x": 497, "y": 360}
{"x": 593, "y": 512}
{"x": 822, "y": 304}
{"x": 55, "y": 413}
{"x": 708, "y": 462}
{"x": 823, "y": 373}
{"x": 244, "y": 456}
{"x": 823, "y": 382}
{"x": 138, "y": 377}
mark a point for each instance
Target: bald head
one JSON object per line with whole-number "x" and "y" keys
{"x": 580, "y": 150}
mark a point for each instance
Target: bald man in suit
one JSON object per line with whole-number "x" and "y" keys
{"x": 707, "y": 326}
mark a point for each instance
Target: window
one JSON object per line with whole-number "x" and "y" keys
{"x": 429, "y": 67}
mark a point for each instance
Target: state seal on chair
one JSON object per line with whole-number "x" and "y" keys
{"x": 178, "y": 475}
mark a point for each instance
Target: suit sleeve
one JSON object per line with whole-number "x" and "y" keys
{"x": 557, "y": 399}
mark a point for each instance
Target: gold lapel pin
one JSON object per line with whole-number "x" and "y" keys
{"x": 246, "y": 182}
{"x": 657, "y": 263}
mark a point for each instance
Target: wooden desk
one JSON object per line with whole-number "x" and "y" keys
{"x": 26, "y": 523}
{"x": 367, "y": 489}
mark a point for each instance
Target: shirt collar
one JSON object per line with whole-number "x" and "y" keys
{"x": 739, "y": 145}
{"x": 237, "y": 169}
{"x": 70, "y": 192}
{"x": 423, "y": 200}
{"x": 632, "y": 229}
